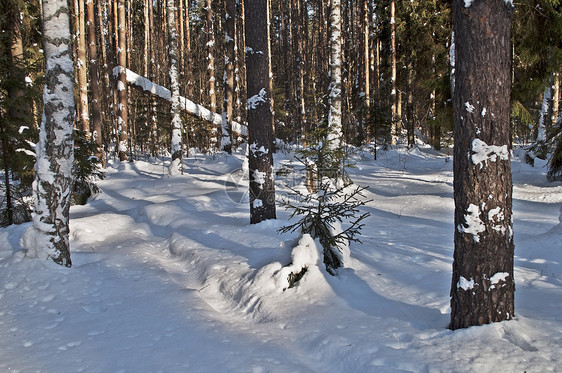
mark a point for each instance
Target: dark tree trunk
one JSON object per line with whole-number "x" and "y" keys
{"x": 482, "y": 286}
{"x": 260, "y": 131}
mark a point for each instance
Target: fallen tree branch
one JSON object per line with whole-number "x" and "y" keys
{"x": 186, "y": 104}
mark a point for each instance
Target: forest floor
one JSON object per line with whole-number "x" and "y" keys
{"x": 169, "y": 276}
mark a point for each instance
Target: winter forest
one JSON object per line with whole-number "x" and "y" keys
{"x": 280, "y": 186}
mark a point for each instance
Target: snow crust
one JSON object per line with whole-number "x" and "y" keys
{"x": 168, "y": 275}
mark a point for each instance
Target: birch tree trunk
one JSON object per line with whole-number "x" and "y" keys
{"x": 394, "y": 94}
{"x": 335, "y": 88}
{"x": 49, "y": 235}
{"x": 210, "y": 30}
{"x": 260, "y": 131}
{"x": 228, "y": 80}
{"x": 482, "y": 289}
{"x": 176, "y": 165}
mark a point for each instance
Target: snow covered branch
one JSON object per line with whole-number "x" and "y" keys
{"x": 186, "y": 104}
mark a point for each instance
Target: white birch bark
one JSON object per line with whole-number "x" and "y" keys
{"x": 541, "y": 134}
{"x": 335, "y": 99}
{"x": 176, "y": 165}
{"x": 49, "y": 235}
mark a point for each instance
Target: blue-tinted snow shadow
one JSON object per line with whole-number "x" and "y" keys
{"x": 360, "y": 296}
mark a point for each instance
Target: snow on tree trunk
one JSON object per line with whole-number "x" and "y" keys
{"x": 483, "y": 287}
{"x": 260, "y": 130}
{"x": 176, "y": 165}
{"x": 335, "y": 94}
{"x": 49, "y": 235}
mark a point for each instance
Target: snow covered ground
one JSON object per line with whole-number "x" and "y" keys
{"x": 169, "y": 276}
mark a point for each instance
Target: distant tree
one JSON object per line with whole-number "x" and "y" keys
{"x": 260, "y": 130}
{"x": 483, "y": 286}
{"x": 49, "y": 235}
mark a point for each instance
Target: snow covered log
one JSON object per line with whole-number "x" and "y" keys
{"x": 186, "y": 104}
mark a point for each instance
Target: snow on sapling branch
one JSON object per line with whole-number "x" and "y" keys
{"x": 323, "y": 212}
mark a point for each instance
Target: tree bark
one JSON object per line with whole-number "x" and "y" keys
{"x": 175, "y": 89}
{"x": 95, "y": 82}
{"x": 82, "y": 67}
{"x": 483, "y": 287}
{"x": 335, "y": 89}
{"x": 49, "y": 235}
{"x": 260, "y": 131}
{"x": 228, "y": 81}
{"x": 122, "y": 113}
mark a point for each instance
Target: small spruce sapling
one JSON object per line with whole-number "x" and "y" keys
{"x": 334, "y": 202}
{"x": 87, "y": 168}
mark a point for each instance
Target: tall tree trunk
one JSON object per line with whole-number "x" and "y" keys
{"x": 82, "y": 67}
{"x": 49, "y": 235}
{"x": 176, "y": 165}
{"x": 555, "y": 98}
{"x": 122, "y": 113}
{"x": 94, "y": 82}
{"x": 260, "y": 131}
{"x": 395, "y": 128}
{"x": 335, "y": 89}
{"x": 210, "y": 30}
{"x": 228, "y": 81}
{"x": 483, "y": 287}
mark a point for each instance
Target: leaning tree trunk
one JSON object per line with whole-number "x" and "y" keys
{"x": 260, "y": 130}
{"x": 49, "y": 235}
{"x": 482, "y": 285}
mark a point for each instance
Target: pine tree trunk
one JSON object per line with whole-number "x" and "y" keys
{"x": 81, "y": 67}
{"x": 122, "y": 95}
{"x": 95, "y": 82}
{"x": 335, "y": 89}
{"x": 49, "y": 235}
{"x": 228, "y": 82}
{"x": 483, "y": 287}
{"x": 260, "y": 131}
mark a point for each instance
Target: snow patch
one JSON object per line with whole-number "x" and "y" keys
{"x": 474, "y": 224}
{"x": 482, "y": 153}
{"x": 497, "y": 278}
{"x": 465, "y": 284}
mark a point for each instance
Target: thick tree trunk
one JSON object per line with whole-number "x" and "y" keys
{"x": 49, "y": 235}
{"x": 482, "y": 285}
{"x": 260, "y": 131}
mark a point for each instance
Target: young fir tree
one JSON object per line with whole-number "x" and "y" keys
{"x": 330, "y": 202}
{"x": 49, "y": 235}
